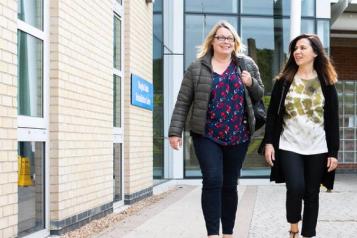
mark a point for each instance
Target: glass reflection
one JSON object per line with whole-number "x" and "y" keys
{"x": 117, "y": 101}
{"x": 117, "y": 173}
{"x": 158, "y": 112}
{"x": 276, "y": 7}
{"x": 267, "y": 41}
{"x": 157, "y": 7}
{"x": 31, "y": 12}
{"x": 213, "y": 6}
{"x": 266, "y": 7}
{"x": 30, "y": 75}
{"x": 117, "y": 43}
{"x": 323, "y": 31}
{"x": 31, "y": 182}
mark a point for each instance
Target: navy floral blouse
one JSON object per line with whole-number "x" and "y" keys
{"x": 225, "y": 115}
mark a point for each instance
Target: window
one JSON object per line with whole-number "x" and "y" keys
{"x": 158, "y": 83}
{"x": 214, "y": 6}
{"x": 117, "y": 101}
{"x": 348, "y": 120}
{"x": 32, "y": 131}
{"x": 276, "y": 7}
{"x": 323, "y": 31}
{"x": 31, "y": 181}
{"x": 118, "y": 77}
{"x": 30, "y": 75}
{"x": 117, "y": 172}
{"x": 31, "y": 12}
{"x": 117, "y": 43}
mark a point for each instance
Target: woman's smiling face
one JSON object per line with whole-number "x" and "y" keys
{"x": 223, "y": 42}
{"x": 303, "y": 53}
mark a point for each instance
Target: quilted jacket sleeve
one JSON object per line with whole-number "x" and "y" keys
{"x": 256, "y": 90}
{"x": 183, "y": 104}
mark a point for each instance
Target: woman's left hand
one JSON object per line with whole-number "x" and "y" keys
{"x": 246, "y": 78}
{"x": 332, "y": 163}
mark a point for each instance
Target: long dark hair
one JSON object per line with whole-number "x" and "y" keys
{"x": 322, "y": 63}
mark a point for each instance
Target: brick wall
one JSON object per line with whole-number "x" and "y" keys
{"x": 8, "y": 114}
{"x": 81, "y": 107}
{"x": 344, "y": 55}
{"x": 138, "y": 143}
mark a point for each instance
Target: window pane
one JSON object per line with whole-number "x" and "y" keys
{"x": 308, "y": 8}
{"x": 117, "y": 43}
{"x": 266, "y": 7}
{"x": 307, "y": 26}
{"x": 117, "y": 173}
{"x": 31, "y": 205}
{"x": 157, "y": 37}
{"x": 158, "y": 6}
{"x": 117, "y": 101}
{"x": 267, "y": 40}
{"x": 276, "y": 7}
{"x": 192, "y": 168}
{"x": 215, "y": 6}
{"x": 197, "y": 27}
{"x": 30, "y": 75}
{"x": 323, "y": 31}
{"x": 119, "y": 1}
{"x": 158, "y": 113}
{"x": 31, "y": 12}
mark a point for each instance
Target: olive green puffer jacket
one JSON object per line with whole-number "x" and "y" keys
{"x": 195, "y": 92}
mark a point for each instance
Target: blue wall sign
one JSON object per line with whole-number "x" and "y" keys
{"x": 141, "y": 93}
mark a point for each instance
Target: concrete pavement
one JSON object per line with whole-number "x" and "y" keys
{"x": 261, "y": 213}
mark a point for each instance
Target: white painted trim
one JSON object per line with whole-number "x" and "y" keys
{"x": 31, "y": 134}
{"x": 323, "y": 9}
{"x": 46, "y": 108}
{"x": 117, "y": 8}
{"x": 31, "y": 122}
{"x": 119, "y": 73}
{"x": 295, "y": 18}
{"x": 173, "y": 14}
{"x": 25, "y": 27}
{"x": 118, "y": 138}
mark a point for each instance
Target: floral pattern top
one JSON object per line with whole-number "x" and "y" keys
{"x": 226, "y": 122}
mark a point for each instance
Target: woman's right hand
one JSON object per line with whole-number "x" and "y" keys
{"x": 175, "y": 142}
{"x": 269, "y": 154}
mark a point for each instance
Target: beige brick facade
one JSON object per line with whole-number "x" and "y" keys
{"x": 138, "y": 143}
{"x": 8, "y": 112}
{"x": 80, "y": 110}
{"x": 81, "y": 106}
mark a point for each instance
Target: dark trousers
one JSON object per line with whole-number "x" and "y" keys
{"x": 303, "y": 175}
{"x": 220, "y": 167}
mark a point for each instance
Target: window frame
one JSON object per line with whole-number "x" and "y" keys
{"x": 35, "y": 129}
{"x": 118, "y": 132}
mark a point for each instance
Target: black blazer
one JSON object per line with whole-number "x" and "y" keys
{"x": 274, "y": 126}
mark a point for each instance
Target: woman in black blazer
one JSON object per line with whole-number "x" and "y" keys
{"x": 301, "y": 138}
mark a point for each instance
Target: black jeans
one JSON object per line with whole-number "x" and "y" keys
{"x": 220, "y": 167}
{"x": 303, "y": 175}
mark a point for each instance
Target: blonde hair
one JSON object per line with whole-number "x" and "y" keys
{"x": 207, "y": 43}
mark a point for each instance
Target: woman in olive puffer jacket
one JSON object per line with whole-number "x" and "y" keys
{"x": 219, "y": 88}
